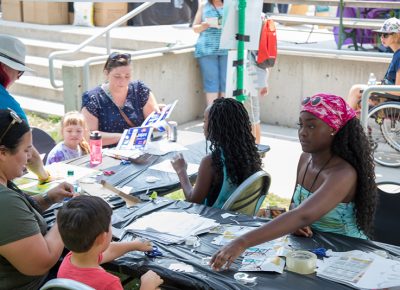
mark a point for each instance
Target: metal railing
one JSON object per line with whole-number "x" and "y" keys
{"x": 87, "y": 62}
{"x": 105, "y": 31}
{"x": 364, "y": 101}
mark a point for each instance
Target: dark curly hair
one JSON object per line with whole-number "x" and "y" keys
{"x": 229, "y": 131}
{"x": 351, "y": 144}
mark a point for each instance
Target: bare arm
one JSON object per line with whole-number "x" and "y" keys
{"x": 198, "y": 25}
{"x": 93, "y": 125}
{"x": 43, "y": 252}
{"x": 198, "y": 193}
{"x": 117, "y": 249}
{"x": 150, "y": 106}
{"x": 325, "y": 198}
{"x": 35, "y": 165}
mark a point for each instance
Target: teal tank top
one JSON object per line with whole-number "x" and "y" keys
{"x": 227, "y": 188}
{"x": 340, "y": 220}
{"x": 208, "y": 41}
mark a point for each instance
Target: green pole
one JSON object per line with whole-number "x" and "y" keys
{"x": 240, "y": 52}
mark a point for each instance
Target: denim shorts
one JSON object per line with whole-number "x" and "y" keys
{"x": 213, "y": 70}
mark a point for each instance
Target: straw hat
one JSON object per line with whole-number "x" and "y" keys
{"x": 391, "y": 25}
{"x": 12, "y": 53}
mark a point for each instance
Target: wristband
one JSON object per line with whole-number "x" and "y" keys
{"x": 41, "y": 180}
{"x": 46, "y": 198}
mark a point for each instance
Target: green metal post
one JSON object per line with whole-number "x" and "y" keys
{"x": 240, "y": 51}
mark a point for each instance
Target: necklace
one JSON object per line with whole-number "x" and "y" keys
{"x": 315, "y": 178}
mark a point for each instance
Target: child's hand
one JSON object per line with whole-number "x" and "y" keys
{"x": 150, "y": 281}
{"x": 178, "y": 163}
{"x": 143, "y": 245}
{"x": 263, "y": 91}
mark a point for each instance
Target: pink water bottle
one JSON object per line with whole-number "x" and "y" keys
{"x": 95, "y": 148}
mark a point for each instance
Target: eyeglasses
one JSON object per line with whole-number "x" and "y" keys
{"x": 117, "y": 55}
{"x": 15, "y": 119}
{"x": 314, "y": 101}
{"x": 386, "y": 35}
{"x": 20, "y": 73}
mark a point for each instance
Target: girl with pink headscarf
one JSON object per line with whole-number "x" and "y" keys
{"x": 335, "y": 189}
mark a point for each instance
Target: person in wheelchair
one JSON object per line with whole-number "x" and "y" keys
{"x": 390, "y": 37}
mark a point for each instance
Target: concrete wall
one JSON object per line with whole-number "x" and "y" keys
{"x": 170, "y": 76}
{"x": 295, "y": 77}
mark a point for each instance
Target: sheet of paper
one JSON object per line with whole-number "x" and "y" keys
{"x": 163, "y": 146}
{"x": 166, "y": 166}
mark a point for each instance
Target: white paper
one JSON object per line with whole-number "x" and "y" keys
{"x": 361, "y": 270}
{"x": 166, "y": 166}
{"x": 230, "y": 25}
{"x": 181, "y": 267}
{"x": 171, "y": 227}
{"x": 163, "y": 146}
{"x": 226, "y": 215}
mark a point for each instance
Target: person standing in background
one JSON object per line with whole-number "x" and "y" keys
{"x": 212, "y": 60}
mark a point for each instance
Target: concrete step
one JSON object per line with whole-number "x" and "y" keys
{"x": 121, "y": 36}
{"x": 40, "y": 65}
{"x": 37, "y": 87}
{"x": 43, "y": 48}
{"x": 40, "y": 106}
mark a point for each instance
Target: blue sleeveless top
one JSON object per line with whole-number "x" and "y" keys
{"x": 227, "y": 188}
{"x": 208, "y": 41}
{"x": 340, "y": 220}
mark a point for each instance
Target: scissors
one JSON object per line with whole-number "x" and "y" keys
{"x": 154, "y": 253}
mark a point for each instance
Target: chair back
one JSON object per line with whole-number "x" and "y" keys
{"x": 387, "y": 213}
{"x": 250, "y": 194}
{"x": 62, "y": 283}
{"x": 43, "y": 142}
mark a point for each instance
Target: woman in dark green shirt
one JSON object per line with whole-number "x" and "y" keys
{"x": 27, "y": 250}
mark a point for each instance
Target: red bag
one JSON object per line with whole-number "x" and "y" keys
{"x": 268, "y": 48}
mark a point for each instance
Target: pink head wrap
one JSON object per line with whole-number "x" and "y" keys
{"x": 331, "y": 109}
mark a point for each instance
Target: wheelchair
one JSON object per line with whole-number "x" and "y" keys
{"x": 384, "y": 129}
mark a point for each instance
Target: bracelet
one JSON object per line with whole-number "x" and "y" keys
{"x": 41, "y": 180}
{"x": 46, "y": 198}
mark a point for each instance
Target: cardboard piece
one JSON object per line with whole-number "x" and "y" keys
{"x": 12, "y": 10}
{"x": 45, "y": 12}
{"x": 106, "y": 13}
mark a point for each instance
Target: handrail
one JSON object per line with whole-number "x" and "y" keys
{"x": 90, "y": 60}
{"x": 364, "y": 101}
{"x": 106, "y": 30}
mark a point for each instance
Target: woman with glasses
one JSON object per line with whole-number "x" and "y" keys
{"x": 27, "y": 249}
{"x": 335, "y": 189}
{"x": 119, "y": 103}
{"x": 390, "y": 37}
{"x": 12, "y": 66}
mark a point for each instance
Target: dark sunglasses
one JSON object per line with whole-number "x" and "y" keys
{"x": 314, "y": 101}
{"x": 117, "y": 55}
{"x": 15, "y": 119}
{"x": 385, "y": 35}
{"x": 20, "y": 73}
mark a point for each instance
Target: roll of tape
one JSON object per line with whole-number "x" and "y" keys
{"x": 301, "y": 262}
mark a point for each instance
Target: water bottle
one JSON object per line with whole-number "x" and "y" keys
{"x": 372, "y": 79}
{"x": 95, "y": 145}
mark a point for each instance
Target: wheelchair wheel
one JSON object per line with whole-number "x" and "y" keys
{"x": 384, "y": 133}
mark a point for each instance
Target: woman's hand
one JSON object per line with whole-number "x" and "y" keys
{"x": 227, "y": 254}
{"x": 61, "y": 191}
{"x": 304, "y": 232}
{"x": 179, "y": 164}
{"x": 143, "y": 245}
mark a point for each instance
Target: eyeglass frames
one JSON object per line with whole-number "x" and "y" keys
{"x": 386, "y": 35}
{"x": 117, "y": 55}
{"x": 15, "y": 119}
